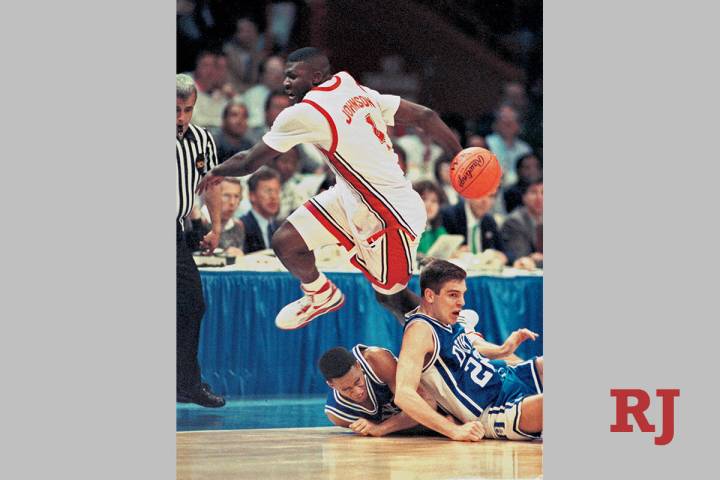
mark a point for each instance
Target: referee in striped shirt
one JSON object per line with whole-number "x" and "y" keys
{"x": 196, "y": 155}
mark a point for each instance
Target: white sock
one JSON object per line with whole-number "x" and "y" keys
{"x": 316, "y": 284}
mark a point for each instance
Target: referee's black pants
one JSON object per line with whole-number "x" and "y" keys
{"x": 190, "y": 310}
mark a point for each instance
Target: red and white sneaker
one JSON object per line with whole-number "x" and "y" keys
{"x": 301, "y": 312}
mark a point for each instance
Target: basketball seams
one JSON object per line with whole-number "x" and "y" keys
{"x": 462, "y": 162}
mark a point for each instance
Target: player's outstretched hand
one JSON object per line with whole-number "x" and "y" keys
{"x": 517, "y": 337}
{"x": 469, "y": 432}
{"x": 365, "y": 427}
{"x": 208, "y": 181}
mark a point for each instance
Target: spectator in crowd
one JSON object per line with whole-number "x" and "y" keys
{"x": 472, "y": 219}
{"x": 515, "y": 94}
{"x": 255, "y": 97}
{"x": 505, "y": 143}
{"x": 214, "y": 92}
{"x": 245, "y": 51}
{"x": 529, "y": 169}
{"x": 232, "y": 238}
{"x": 475, "y": 140}
{"x": 231, "y": 138}
{"x": 433, "y": 197}
{"x": 281, "y": 18}
{"x": 276, "y": 102}
{"x": 421, "y": 154}
{"x": 522, "y": 230}
{"x": 442, "y": 177}
{"x": 261, "y": 221}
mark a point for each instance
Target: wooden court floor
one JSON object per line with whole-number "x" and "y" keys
{"x": 333, "y": 452}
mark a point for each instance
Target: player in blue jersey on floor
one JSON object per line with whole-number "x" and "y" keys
{"x": 362, "y": 389}
{"x": 462, "y": 372}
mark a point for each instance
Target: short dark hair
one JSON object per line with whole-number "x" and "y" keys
{"x": 524, "y": 187}
{"x": 522, "y": 158}
{"x": 445, "y": 158}
{"x": 271, "y": 95}
{"x": 304, "y": 54}
{"x": 261, "y": 174}
{"x": 423, "y": 186}
{"x": 336, "y": 362}
{"x": 206, "y": 52}
{"x": 438, "y": 272}
{"x": 231, "y": 104}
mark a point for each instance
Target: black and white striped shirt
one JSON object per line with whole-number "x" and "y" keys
{"x": 196, "y": 155}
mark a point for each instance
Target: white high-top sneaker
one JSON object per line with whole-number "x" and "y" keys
{"x": 313, "y": 304}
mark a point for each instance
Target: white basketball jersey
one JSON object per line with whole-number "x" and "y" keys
{"x": 348, "y": 123}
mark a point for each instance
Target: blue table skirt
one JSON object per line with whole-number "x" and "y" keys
{"x": 243, "y": 353}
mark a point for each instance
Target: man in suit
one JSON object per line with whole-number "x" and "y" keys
{"x": 471, "y": 219}
{"x": 261, "y": 222}
{"x": 522, "y": 231}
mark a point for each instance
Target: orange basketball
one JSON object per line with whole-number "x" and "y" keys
{"x": 475, "y": 172}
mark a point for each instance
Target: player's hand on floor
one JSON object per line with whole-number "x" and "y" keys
{"x": 365, "y": 427}
{"x": 453, "y": 419}
{"x": 469, "y": 432}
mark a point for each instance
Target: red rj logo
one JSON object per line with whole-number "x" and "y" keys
{"x": 624, "y": 409}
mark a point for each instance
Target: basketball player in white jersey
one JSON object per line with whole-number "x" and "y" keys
{"x": 372, "y": 211}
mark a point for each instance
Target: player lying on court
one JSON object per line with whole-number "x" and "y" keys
{"x": 362, "y": 386}
{"x": 362, "y": 383}
{"x": 491, "y": 398}
{"x": 372, "y": 211}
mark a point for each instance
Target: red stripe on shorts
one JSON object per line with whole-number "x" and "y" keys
{"x": 324, "y": 220}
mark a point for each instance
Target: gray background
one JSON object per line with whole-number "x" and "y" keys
{"x": 87, "y": 351}
{"x": 631, "y": 97}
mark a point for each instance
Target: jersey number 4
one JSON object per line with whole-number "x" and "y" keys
{"x": 378, "y": 133}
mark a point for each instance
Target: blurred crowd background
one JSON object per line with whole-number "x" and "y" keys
{"x": 478, "y": 63}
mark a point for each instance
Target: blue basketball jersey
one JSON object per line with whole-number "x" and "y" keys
{"x": 379, "y": 393}
{"x": 460, "y": 379}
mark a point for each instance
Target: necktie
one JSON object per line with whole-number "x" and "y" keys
{"x": 475, "y": 241}
{"x": 270, "y": 231}
{"x": 539, "y": 238}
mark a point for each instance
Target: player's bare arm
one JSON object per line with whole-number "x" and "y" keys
{"x": 213, "y": 199}
{"x": 493, "y": 351}
{"x": 427, "y": 119}
{"x": 507, "y": 349}
{"x": 241, "y": 164}
{"x": 337, "y": 420}
{"x": 384, "y": 365}
{"x": 418, "y": 342}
